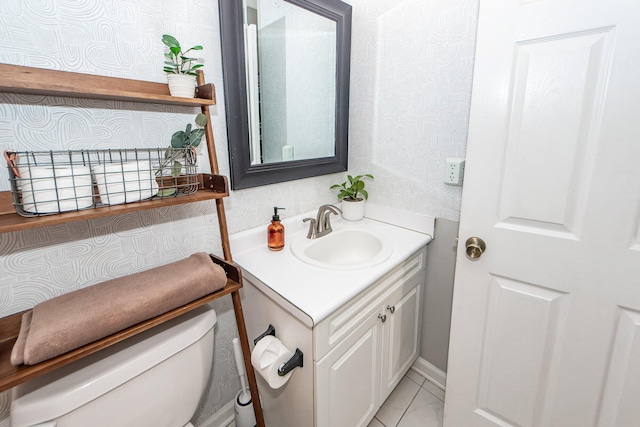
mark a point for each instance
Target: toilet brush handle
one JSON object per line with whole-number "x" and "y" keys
{"x": 237, "y": 351}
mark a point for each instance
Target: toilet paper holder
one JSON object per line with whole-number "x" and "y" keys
{"x": 295, "y": 361}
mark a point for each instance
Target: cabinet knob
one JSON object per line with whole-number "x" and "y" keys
{"x": 391, "y": 308}
{"x": 382, "y": 317}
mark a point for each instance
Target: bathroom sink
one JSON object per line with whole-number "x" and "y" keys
{"x": 349, "y": 249}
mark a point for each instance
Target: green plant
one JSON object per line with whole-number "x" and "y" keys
{"x": 355, "y": 187}
{"x": 183, "y": 145}
{"x": 177, "y": 61}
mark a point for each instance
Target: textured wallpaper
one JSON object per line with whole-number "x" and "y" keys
{"x": 411, "y": 74}
{"x": 411, "y": 80}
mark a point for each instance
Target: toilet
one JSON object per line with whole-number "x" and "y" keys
{"x": 155, "y": 378}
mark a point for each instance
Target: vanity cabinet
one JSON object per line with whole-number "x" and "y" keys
{"x": 370, "y": 345}
{"x": 353, "y": 359}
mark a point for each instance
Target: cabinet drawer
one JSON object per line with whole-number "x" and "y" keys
{"x": 333, "y": 329}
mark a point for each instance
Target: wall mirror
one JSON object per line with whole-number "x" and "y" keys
{"x": 286, "y": 81}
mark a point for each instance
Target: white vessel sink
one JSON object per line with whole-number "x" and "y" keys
{"x": 347, "y": 249}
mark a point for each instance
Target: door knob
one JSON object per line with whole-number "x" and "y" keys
{"x": 475, "y": 247}
{"x": 382, "y": 317}
{"x": 391, "y": 308}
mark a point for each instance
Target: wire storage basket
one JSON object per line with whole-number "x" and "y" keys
{"x": 52, "y": 182}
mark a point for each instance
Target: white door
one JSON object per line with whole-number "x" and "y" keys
{"x": 546, "y": 323}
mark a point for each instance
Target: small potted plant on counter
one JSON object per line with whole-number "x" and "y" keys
{"x": 180, "y": 69}
{"x": 353, "y": 196}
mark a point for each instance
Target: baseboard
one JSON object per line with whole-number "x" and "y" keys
{"x": 430, "y": 372}
{"x": 225, "y": 416}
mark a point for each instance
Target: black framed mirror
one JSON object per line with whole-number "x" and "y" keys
{"x": 287, "y": 112}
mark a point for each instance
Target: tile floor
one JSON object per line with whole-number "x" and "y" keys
{"x": 415, "y": 402}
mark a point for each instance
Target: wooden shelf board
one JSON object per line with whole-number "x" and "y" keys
{"x": 10, "y": 375}
{"x": 11, "y": 221}
{"x": 39, "y": 81}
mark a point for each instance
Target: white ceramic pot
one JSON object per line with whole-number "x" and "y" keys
{"x": 182, "y": 85}
{"x": 47, "y": 189}
{"x": 125, "y": 182}
{"x": 353, "y": 210}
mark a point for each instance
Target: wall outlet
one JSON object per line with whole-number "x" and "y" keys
{"x": 454, "y": 172}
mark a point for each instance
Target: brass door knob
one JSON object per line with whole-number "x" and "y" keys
{"x": 475, "y": 247}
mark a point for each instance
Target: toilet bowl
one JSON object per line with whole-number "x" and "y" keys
{"x": 155, "y": 378}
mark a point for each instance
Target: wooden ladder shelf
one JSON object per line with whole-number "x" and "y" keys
{"x": 28, "y": 80}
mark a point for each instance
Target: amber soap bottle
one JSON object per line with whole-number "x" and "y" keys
{"x": 275, "y": 232}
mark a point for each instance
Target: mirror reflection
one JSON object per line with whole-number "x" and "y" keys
{"x": 290, "y": 61}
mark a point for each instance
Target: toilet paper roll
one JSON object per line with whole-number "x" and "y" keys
{"x": 125, "y": 182}
{"x": 267, "y": 356}
{"x": 47, "y": 189}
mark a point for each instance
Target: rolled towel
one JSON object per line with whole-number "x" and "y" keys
{"x": 69, "y": 321}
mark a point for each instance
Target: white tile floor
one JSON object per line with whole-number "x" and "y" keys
{"x": 415, "y": 402}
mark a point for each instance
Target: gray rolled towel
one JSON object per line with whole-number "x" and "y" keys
{"x": 69, "y": 321}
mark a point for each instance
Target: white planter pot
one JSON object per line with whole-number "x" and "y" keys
{"x": 125, "y": 182}
{"x": 353, "y": 210}
{"x": 182, "y": 85}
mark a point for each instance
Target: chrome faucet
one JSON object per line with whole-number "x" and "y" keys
{"x": 321, "y": 225}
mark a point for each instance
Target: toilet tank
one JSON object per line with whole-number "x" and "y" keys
{"x": 155, "y": 378}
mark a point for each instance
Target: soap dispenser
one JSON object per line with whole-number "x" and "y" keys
{"x": 275, "y": 232}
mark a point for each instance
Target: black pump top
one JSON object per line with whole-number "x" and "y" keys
{"x": 276, "y": 217}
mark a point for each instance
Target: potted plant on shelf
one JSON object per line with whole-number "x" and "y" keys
{"x": 181, "y": 153}
{"x": 180, "y": 69}
{"x": 353, "y": 196}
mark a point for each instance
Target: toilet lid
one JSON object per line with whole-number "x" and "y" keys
{"x": 52, "y": 395}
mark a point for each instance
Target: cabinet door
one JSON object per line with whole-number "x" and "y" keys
{"x": 348, "y": 377}
{"x": 401, "y": 338}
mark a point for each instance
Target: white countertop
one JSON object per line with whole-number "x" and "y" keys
{"x": 315, "y": 291}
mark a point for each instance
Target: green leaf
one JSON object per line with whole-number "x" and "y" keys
{"x": 170, "y": 41}
{"x": 175, "y": 50}
{"x": 196, "y": 48}
{"x": 368, "y": 175}
{"x": 359, "y": 185}
{"x": 196, "y": 137}
{"x": 166, "y": 192}
{"x": 176, "y": 168}
{"x": 177, "y": 139}
{"x": 201, "y": 120}
{"x": 364, "y": 194}
{"x": 195, "y": 67}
